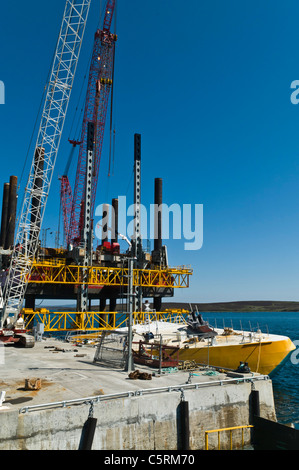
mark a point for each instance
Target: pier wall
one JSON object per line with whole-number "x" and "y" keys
{"x": 139, "y": 422}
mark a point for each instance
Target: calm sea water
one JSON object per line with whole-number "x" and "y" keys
{"x": 286, "y": 379}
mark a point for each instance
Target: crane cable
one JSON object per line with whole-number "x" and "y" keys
{"x": 112, "y": 131}
{"x": 32, "y": 135}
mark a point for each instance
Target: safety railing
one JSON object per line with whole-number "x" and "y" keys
{"x": 182, "y": 388}
{"x": 231, "y": 429}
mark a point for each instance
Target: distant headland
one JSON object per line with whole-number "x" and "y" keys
{"x": 240, "y": 306}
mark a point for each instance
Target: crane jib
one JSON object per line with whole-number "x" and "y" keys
{"x": 108, "y": 15}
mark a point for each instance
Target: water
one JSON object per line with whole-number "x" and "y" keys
{"x": 286, "y": 379}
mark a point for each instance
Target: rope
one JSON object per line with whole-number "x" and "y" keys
{"x": 76, "y": 133}
{"x": 90, "y": 413}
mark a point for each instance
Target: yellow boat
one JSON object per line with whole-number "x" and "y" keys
{"x": 196, "y": 341}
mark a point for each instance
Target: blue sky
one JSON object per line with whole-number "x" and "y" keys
{"x": 207, "y": 85}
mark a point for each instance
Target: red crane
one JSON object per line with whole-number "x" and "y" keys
{"x": 66, "y": 193}
{"x": 100, "y": 83}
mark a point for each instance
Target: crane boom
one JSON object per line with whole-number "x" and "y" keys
{"x": 48, "y": 140}
{"x": 96, "y": 105}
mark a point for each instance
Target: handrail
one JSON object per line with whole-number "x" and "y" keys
{"x": 230, "y": 429}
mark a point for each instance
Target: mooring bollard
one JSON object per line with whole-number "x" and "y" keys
{"x": 183, "y": 424}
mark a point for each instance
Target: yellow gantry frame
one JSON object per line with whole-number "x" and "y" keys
{"x": 60, "y": 273}
{"x": 93, "y": 321}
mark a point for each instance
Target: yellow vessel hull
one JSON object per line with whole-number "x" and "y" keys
{"x": 263, "y": 357}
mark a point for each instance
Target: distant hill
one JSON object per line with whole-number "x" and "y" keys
{"x": 242, "y": 306}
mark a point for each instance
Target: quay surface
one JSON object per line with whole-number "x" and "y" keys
{"x": 131, "y": 414}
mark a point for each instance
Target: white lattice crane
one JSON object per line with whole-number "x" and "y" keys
{"x": 38, "y": 185}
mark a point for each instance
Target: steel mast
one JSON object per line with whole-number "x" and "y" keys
{"x": 46, "y": 149}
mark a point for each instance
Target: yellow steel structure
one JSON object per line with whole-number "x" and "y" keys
{"x": 56, "y": 271}
{"x": 93, "y": 321}
{"x": 231, "y": 429}
{"x": 60, "y": 273}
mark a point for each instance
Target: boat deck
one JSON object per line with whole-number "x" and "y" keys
{"x": 175, "y": 334}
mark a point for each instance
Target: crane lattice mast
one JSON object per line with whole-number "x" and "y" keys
{"x": 52, "y": 121}
{"x": 100, "y": 82}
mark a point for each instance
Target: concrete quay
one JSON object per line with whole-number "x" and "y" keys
{"x": 131, "y": 414}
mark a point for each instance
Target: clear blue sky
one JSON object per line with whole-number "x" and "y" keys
{"x": 207, "y": 84}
